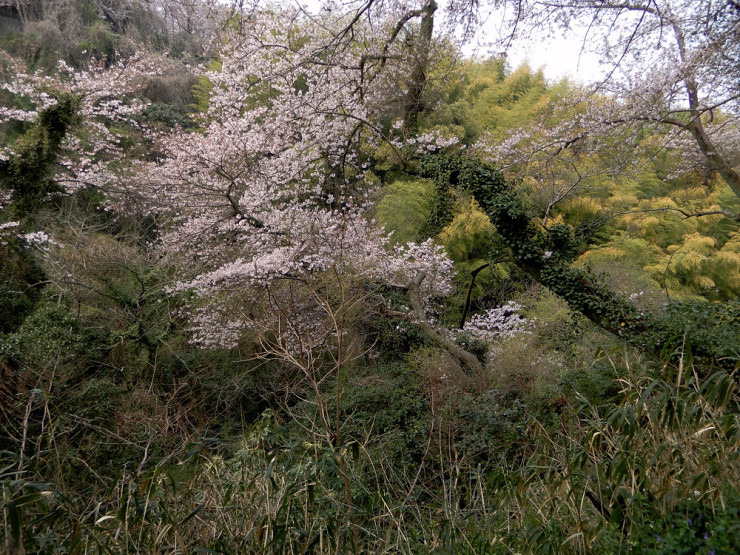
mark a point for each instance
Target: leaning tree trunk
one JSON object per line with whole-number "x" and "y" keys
{"x": 547, "y": 257}
{"x": 714, "y": 159}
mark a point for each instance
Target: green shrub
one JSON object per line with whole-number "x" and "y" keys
{"x": 168, "y": 114}
{"x": 712, "y": 327}
{"x": 20, "y": 279}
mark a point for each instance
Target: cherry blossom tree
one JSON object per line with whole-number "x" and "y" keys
{"x": 409, "y": 32}
{"x": 70, "y": 140}
{"x": 671, "y": 65}
{"x": 273, "y": 188}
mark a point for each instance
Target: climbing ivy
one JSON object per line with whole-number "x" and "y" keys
{"x": 29, "y": 172}
{"x": 546, "y": 255}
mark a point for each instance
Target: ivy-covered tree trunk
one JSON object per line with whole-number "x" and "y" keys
{"x": 29, "y": 172}
{"x": 547, "y": 257}
{"x": 28, "y": 175}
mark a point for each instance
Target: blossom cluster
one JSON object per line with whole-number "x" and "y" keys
{"x": 426, "y": 143}
{"x": 32, "y": 239}
{"x": 503, "y": 321}
{"x": 107, "y": 93}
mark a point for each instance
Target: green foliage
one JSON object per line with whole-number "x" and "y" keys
{"x": 404, "y": 209}
{"x": 468, "y": 236}
{"x": 714, "y": 326}
{"x": 49, "y": 337}
{"x": 29, "y": 172}
{"x": 546, "y": 256}
{"x": 596, "y": 385}
{"x": 383, "y": 409}
{"x": 493, "y": 285}
{"x": 391, "y": 337}
{"x": 684, "y": 257}
{"x": 692, "y": 527}
{"x": 481, "y": 477}
{"x": 20, "y": 279}
{"x": 485, "y": 428}
{"x": 202, "y": 89}
{"x": 99, "y": 44}
{"x": 43, "y": 362}
{"x": 167, "y": 114}
{"x": 79, "y": 31}
{"x": 118, "y": 291}
{"x": 490, "y": 99}
{"x": 98, "y": 400}
{"x": 102, "y": 396}
{"x": 41, "y": 44}
{"x": 442, "y": 210}
{"x": 650, "y": 470}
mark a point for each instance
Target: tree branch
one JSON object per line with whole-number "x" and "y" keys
{"x": 458, "y": 352}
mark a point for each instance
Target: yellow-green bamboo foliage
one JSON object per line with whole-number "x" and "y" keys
{"x": 491, "y": 99}
{"x": 685, "y": 256}
{"x": 405, "y": 208}
{"x": 468, "y": 241}
{"x": 626, "y": 192}
{"x": 468, "y": 236}
{"x": 581, "y": 210}
{"x": 203, "y": 88}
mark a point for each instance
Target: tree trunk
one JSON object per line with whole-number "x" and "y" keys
{"x": 715, "y": 161}
{"x": 414, "y": 102}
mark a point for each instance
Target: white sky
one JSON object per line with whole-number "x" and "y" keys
{"x": 558, "y": 56}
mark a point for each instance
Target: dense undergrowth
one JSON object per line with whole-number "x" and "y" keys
{"x": 565, "y": 447}
{"x": 621, "y": 456}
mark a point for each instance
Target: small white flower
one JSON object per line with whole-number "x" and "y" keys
{"x": 8, "y": 225}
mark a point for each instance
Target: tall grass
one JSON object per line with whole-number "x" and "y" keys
{"x": 654, "y": 470}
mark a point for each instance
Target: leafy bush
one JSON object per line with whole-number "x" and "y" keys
{"x": 405, "y": 208}
{"x": 713, "y": 327}
{"x": 168, "y": 114}
{"x": 20, "y": 279}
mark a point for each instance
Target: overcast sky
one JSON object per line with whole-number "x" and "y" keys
{"x": 558, "y": 57}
